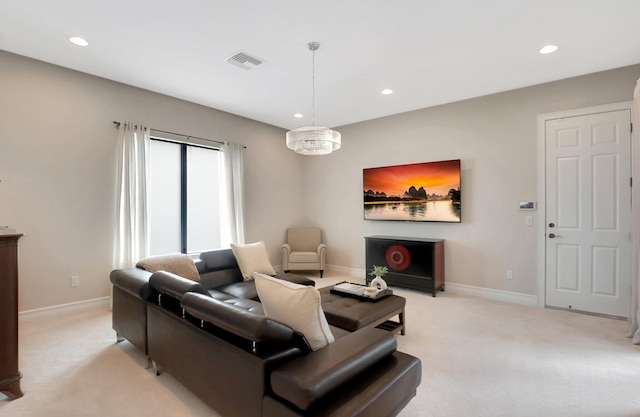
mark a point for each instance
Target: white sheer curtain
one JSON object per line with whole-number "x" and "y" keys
{"x": 233, "y": 194}
{"x": 131, "y": 240}
{"x": 635, "y": 278}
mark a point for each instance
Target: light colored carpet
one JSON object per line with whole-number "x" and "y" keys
{"x": 479, "y": 358}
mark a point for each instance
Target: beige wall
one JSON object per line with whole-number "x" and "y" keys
{"x": 57, "y": 172}
{"x": 496, "y": 139}
{"x": 57, "y": 167}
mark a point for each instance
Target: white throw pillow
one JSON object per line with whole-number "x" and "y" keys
{"x": 251, "y": 258}
{"x": 297, "y": 306}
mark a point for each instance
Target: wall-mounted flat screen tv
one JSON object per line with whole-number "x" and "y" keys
{"x": 424, "y": 192}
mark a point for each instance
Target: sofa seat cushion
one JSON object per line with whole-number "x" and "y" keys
{"x": 297, "y": 306}
{"x": 247, "y": 289}
{"x": 303, "y": 257}
{"x": 246, "y": 304}
{"x": 242, "y": 289}
{"x": 219, "y": 295}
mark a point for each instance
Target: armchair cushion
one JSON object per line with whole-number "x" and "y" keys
{"x": 298, "y": 306}
{"x": 252, "y": 257}
{"x": 299, "y": 257}
{"x": 304, "y": 239}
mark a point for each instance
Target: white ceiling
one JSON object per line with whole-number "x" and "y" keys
{"x": 429, "y": 52}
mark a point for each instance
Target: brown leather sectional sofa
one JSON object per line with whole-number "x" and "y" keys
{"x": 213, "y": 337}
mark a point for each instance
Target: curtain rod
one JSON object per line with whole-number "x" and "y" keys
{"x": 117, "y": 125}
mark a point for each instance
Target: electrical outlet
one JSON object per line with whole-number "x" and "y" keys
{"x": 528, "y": 220}
{"x": 509, "y": 274}
{"x": 75, "y": 281}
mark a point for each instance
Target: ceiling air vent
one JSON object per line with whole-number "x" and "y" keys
{"x": 244, "y": 60}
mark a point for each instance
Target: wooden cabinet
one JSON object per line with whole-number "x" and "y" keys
{"x": 9, "y": 374}
{"x": 416, "y": 263}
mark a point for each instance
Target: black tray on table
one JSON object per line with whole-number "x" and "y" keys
{"x": 364, "y": 297}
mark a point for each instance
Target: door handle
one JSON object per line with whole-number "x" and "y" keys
{"x": 553, "y": 236}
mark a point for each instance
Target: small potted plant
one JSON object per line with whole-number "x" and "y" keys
{"x": 378, "y": 272}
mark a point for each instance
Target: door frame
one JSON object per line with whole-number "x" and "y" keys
{"x": 541, "y": 180}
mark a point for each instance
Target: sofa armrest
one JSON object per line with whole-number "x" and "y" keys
{"x": 174, "y": 285}
{"x": 135, "y": 281}
{"x": 306, "y": 380}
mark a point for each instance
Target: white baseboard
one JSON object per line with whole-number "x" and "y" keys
{"x": 343, "y": 270}
{"x": 492, "y": 294}
{"x": 333, "y": 269}
{"x": 79, "y": 306}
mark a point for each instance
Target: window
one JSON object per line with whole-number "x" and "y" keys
{"x": 184, "y": 197}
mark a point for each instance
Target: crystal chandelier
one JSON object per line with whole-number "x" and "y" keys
{"x": 313, "y": 140}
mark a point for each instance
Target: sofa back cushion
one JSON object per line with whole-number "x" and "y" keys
{"x": 217, "y": 268}
{"x": 298, "y": 306}
{"x": 174, "y": 285}
{"x": 304, "y": 239}
{"x": 216, "y": 260}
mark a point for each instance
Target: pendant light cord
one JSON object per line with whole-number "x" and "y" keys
{"x": 313, "y": 86}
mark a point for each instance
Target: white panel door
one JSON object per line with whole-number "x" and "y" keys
{"x": 588, "y": 213}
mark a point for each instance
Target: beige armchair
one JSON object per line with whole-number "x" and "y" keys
{"x": 304, "y": 250}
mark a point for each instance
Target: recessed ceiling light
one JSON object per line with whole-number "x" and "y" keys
{"x": 298, "y": 115}
{"x": 386, "y": 91}
{"x": 548, "y": 49}
{"x": 77, "y": 40}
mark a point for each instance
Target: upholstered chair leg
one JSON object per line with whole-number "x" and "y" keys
{"x": 321, "y": 271}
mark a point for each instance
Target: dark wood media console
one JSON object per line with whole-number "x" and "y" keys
{"x": 416, "y": 263}
{"x": 9, "y": 374}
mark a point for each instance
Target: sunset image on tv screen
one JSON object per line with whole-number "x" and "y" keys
{"x": 427, "y": 191}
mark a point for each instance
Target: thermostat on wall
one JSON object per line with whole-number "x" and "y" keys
{"x": 527, "y": 205}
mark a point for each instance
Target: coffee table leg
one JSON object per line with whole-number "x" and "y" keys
{"x": 401, "y": 319}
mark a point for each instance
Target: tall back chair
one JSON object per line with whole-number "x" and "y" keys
{"x": 304, "y": 250}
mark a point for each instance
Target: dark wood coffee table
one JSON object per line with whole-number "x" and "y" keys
{"x": 351, "y": 314}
